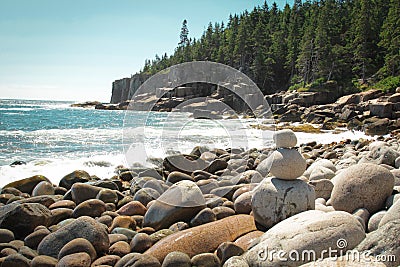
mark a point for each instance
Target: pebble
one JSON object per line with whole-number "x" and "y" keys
{"x": 206, "y": 260}
{"x": 141, "y": 242}
{"x": 91, "y": 207}
{"x": 81, "y": 259}
{"x": 76, "y": 246}
{"x": 176, "y": 259}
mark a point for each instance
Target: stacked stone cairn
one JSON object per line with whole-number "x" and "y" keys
{"x": 284, "y": 193}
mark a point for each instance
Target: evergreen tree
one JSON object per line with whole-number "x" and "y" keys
{"x": 390, "y": 39}
{"x": 184, "y": 35}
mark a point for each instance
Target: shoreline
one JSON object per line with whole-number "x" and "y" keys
{"x": 137, "y": 210}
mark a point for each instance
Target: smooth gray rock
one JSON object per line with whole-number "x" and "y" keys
{"x": 362, "y": 186}
{"x": 275, "y": 200}
{"x": 285, "y": 138}
{"x": 309, "y": 230}
{"x": 84, "y": 227}
{"x": 287, "y": 164}
{"x": 180, "y": 202}
{"x": 384, "y": 241}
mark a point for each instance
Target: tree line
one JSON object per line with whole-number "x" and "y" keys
{"x": 350, "y": 44}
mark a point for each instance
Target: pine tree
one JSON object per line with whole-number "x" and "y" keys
{"x": 184, "y": 35}
{"x": 390, "y": 39}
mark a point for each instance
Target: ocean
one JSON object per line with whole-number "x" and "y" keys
{"x": 55, "y": 139}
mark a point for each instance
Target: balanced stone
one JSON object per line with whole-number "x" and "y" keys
{"x": 285, "y": 138}
{"x": 275, "y": 200}
{"x": 287, "y": 164}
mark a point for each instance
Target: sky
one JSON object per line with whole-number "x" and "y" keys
{"x": 75, "y": 49}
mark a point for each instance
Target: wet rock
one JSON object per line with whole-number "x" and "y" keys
{"x": 81, "y": 192}
{"x": 16, "y": 260}
{"x": 78, "y": 245}
{"x": 145, "y": 195}
{"x": 275, "y": 200}
{"x": 36, "y": 237}
{"x": 22, "y": 219}
{"x": 176, "y": 176}
{"x": 227, "y": 250}
{"x": 77, "y": 176}
{"x": 120, "y": 248}
{"x": 204, "y": 216}
{"x": 6, "y": 236}
{"x": 83, "y": 227}
{"x": 124, "y": 222}
{"x": 206, "y": 260}
{"x": 108, "y": 260}
{"x": 180, "y": 202}
{"x": 69, "y": 204}
{"x": 44, "y": 261}
{"x": 91, "y": 208}
{"x": 43, "y": 188}
{"x": 107, "y": 196}
{"x": 81, "y": 259}
{"x": 141, "y": 242}
{"x": 176, "y": 259}
{"x": 60, "y": 214}
{"x": 362, "y": 186}
{"x": 223, "y": 212}
{"x": 26, "y": 185}
{"x": 132, "y": 208}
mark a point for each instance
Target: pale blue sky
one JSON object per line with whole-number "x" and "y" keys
{"x": 74, "y": 50}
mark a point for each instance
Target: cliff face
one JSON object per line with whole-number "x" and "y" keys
{"x": 124, "y": 89}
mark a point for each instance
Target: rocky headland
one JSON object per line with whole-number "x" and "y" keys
{"x": 372, "y": 111}
{"x": 215, "y": 208}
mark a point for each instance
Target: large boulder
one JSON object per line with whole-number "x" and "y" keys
{"x": 180, "y": 202}
{"x": 275, "y": 200}
{"x": 23, "y": 218}
{"x": 83, "y": 227}
{"x": 28, "y": 184}
{"x": 307, "y": 231}
{"x": 203, "y": 238}
{"x": 384, "y": 242}
{"x": 363, "y": 185}
{"x": 287, "y": 164}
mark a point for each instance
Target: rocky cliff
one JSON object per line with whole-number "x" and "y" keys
{"x": 124, "y": 89}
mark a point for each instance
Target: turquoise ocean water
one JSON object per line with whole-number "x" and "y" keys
{"x": 55, "y": 139}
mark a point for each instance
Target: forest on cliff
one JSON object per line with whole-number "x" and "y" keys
{"x": 344, "y": 45}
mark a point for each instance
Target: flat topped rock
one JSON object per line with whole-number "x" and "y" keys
{"x": 285, "y": 138}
